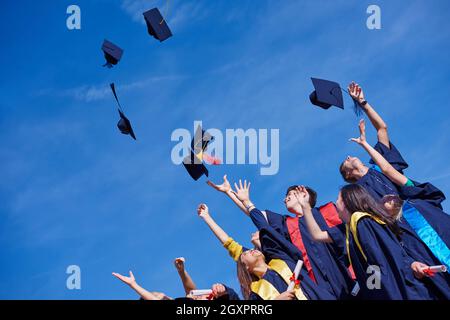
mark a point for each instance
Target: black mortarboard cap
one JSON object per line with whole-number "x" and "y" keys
{"x": 156, "y": 24}
{"x": 195, "y": 170}
{"x": 113, "y": 53}
{"x": 124, "y": 124}
{"x": 326, "y": 94}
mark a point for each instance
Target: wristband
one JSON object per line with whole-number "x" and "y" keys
{"x": 249, "y": 206}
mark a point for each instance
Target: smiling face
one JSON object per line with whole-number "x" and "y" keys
{"x": 349, "y": 169}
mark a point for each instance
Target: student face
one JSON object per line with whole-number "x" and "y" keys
{"x": 252, "y": 258}
{"x": 255, "y": 240}
{"x": 343, "y": 213}
{"x": 291, "y": 202}
{"x": 351, "y": 165}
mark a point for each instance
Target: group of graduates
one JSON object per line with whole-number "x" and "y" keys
{"x": 385, "y": 238}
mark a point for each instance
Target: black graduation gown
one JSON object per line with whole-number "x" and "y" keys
{"x": 327, "y": 262}
{"x": 276, "y": 246}
{"x": 382, "y": 249}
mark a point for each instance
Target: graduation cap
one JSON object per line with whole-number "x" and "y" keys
{"x": 112, "y": 52}
{"x": 156, "y": 25}
{"x": 194, "y": 166}
{"x": 124, "y": 124}
{"x": 329, "y": 93}
{"x": 194, "y": 162}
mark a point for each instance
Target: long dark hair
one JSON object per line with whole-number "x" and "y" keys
{"x": 357, "y": 199}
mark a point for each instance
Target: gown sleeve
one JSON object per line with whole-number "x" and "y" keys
{"x": 423, "y": 191}
{"x": 392, "y": 155}
{"x": 274, "y": 245}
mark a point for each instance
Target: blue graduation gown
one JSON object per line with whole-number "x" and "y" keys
{"x": 231, "y": 294}
{"x": 276, "y": 246}
{"x": 374, "y": 181}
{"x": 382, "y": 249}
{"x": 439, "y": 284}
{"x": 432, "y": 224}
{"x": 328, "y": 263}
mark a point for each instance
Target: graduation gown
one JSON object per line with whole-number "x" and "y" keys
{"x": 231, "y": 294}
{"x": 374, "y": 181}
{"x": 370, "y": 242}
{"x": 276, "y": 246}
{"x": 325, "y": 263}
{"x": 424, "y": 214}
{"x": 439, "y": 284}
{"x": 275, "y": 280}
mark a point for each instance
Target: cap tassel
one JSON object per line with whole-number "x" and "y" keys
{"x": 356, "y": 107}
{"x": 167, "y": 11}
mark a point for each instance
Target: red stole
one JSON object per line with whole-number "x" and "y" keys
{"x": 296, "y": 239}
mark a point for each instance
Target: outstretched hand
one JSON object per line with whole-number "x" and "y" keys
{"x": 242, "y": 191}
{"x": 362, "y": 133}
{"x": 224, "y": 187}
{"x": 127, "y": 280}
{"x": 356, "y": 92}
{"x": 203, "y": 210}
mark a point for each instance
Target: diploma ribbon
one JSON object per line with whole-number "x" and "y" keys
{"x": 429, "y": 272}
{"x": 296, "y": 281}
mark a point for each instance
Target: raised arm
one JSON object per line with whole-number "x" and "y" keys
{"x": 388, "y": 170}
{"x": 357, "y": 94}
{"x": 203, "y": 213}
{"x": 234, "y": 248}
{"x": 225, "y": 187}
{"x": 144, "y": 294}
{"x": 316, "y": 232}
{"x": 188, "y": 283}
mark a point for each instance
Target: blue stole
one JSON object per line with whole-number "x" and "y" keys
{"x": 427, "y": 234}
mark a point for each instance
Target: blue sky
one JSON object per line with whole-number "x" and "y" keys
{"x": 76, "y": 191}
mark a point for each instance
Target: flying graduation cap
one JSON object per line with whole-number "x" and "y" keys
{"x": 156, "y": 25}
{"x": 124, "y": 124}
{"x": 329, "y": 93}
{"x": 112, "y": 52}
{"x": 194, "y": 162}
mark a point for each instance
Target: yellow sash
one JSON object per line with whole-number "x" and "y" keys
{"x": 267, "y": 291}
{"x": 352, "y": 227}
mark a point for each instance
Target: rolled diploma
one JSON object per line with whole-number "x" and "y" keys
{"x": 440, "y": 268}
{"x": 297, "y": 269}
{"x": 200, "y": 292}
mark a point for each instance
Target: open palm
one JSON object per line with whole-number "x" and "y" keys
{"x": 362, "y": 132}
{"x": 224, "y": 187}
{"x": 242, "y": 191}
{"x": 128, "y": 280}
